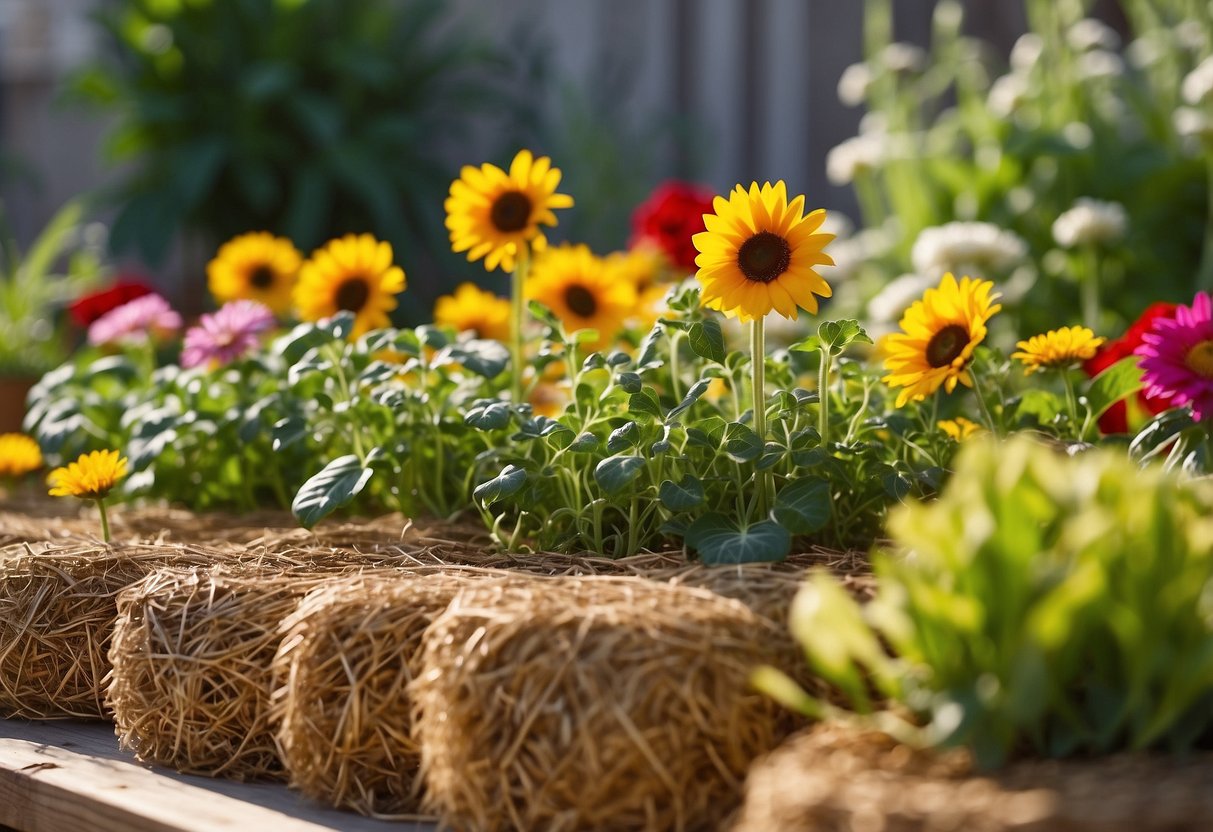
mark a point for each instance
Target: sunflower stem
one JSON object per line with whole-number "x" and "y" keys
{"x": 522, "y": 266}
{"x": 758, "y": 355}
{"x": 105, "y": 521}
{"x": 981, "y": 401}
{"x": 823, "y": 398}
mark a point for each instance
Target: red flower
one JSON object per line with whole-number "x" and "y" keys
{"x": 669, "y": 218}
{"x": 1116, "y": 417}
{"x": 88, "y": 308}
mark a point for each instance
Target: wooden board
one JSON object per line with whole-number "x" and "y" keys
{"x": 70, "y": 776}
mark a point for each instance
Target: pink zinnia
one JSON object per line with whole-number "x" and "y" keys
{"x": 134, "y": 322}
{"x": 226, "y": 335}
{"x": 1177, "y": 357}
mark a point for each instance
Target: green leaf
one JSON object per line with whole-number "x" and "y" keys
{"x": 1120, "y": 380}
{"x": 508, "y": 482}
{"x": 833, "y": 337}
{"x": 683, "y": 495}
{"x": 614, "y": 474}
{"x": 741, "y": 444}
{"x": 485, "y": 358}
{"x": 693, "y": 395}
{"x": 584, "y": 443}
{"x": 719, "y": 542}
{"x": 544, "y": 315}
{"x": 626, "y": 435}
{"x": 645, "y": 401}
{"x": 335, "y": 486}
{"x": 493, "y": 415}
{"x": 804, "y": 505}
{"x": 707, "y": 340}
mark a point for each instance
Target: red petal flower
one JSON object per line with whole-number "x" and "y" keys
{"x": 88, "y": 308}
{"x": 669, "y": 218}
{"x": 1116, "y": 418}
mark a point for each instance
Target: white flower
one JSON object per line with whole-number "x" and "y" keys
{"x": 1078, "y": 134}
{"x": 903, "y": 57}
{"x": 838, "y": 224}
{"x": 890, "y": 302}
{"x": 1191, "y": 36}
{"x": 979, "y": 249}
{"x": 1147, "y": 50}
{"x": 850, "y": 254}
{"x": 1007, "y": 94}
{"x": 853, "y": 84}
{"x": 1191, "y": 123}
{"x": 1100, "y": 63}
{"x": 1089, "y": 33}
{"x": 1090, "y": 222}
{"x": 1198, "y": 85}
{"x": 854, "y": 156}
{"x": 1026, "y": 52}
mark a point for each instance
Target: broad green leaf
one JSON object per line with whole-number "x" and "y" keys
{"x": 645, "y": 401}
{"x": 614, "y": 474}
{"x": 719, "y": 542}
{"x": 584, "y": 443}
{"x": 625, "y": 436}
{"x": 741, "y": 444}
{"x": 693, "y": 395}
{"x": 683, "y": 495}
{"x": 834, "y": 337}
{"x": 493, "y": 415}
{"x": 508, "y": 482}
{"x": 804, "y": 505}
{"x": 333, "y": 487}
{"x": 707, "y": 340}
{"x": 1120, "y": 380}
{"x": 485, "y": 358}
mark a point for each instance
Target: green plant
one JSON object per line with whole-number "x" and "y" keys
{"x": 36, "y": 284}
{"x": 308, "y": 118}
{"x": 1045, "y": 602}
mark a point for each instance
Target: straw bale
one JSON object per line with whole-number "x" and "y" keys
{"x": 836, "y": 779}
{"x": 191, "y": 652}
{"x": 593, "y": 703}
{"x": 342, "y": 709}
{"x": 57, "y": 609}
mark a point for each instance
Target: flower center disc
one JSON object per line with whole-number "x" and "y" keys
{"x": 764, "y": 257}
{"x": 1200, "y": 359}
{"x": 511, "y": 211}
{"x": 946, "y": 345}
{"x": 261, "y": 277}
{"x": 352, "y": 294}
{"x": 580, "y": 301}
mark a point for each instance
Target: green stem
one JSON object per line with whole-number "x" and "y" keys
{"x": 675, "y": 368}
{"x": 981, "y": 401}
{"x": 1072, "y": 403}
{"x": 105, "y": 521}
{"x": 522, "y": 267}
{"x": 1090, "y": 288}
{"x": 823, "y": 398}
{"x": 758, "y": 354}
{"x": 1205, "y": 274}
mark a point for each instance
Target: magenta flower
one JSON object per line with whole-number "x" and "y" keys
{"x": 134, "y": 322}
{"x": 1177, "y": 357}
{"x": 226, "y": 335}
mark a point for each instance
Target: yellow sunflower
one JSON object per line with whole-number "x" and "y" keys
{"x": 472, "y": 309}
{"x": 256, "y": 266}
{"x": 490, "y": 213}
{"x": 90, "y": 477}
{"x": 759, "y": 253}
{"x": 19, "y": 455}
{"x": 579, "y": 289}
{"x": 354, "y": 274}
{"x": 648, "y": 270}
{"x": 959, "y": 428}
{"x": 938, "y": 336}
{"x": 1057, "y": 348}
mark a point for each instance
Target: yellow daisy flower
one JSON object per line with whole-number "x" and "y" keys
{"x": 959, "y": 428}
{"x": 490, "y": 213}
{"x": 938, "y": 336}
{"x": 472, "y": 309}
{"x": 1057, "y": 348}
{"x": 90, "y": 477}
{"x": 355, "y": 274}
{"x": 19, "y": 455}
{"x": 256, "y": 266}
{"x": 759, "y": 253}
{"x": 579, "y": 289}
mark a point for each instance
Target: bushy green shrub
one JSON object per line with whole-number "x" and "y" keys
{"x": 1044, "y": 602}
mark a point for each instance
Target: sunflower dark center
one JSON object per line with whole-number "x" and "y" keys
{"x": 261, "y": 277}
{"x": 580, "y": 301}
{"x": 352, "y": 294}
{"x": 511, "y": 211}
{"x": 946, "y": 345}
{"x": 764, "y": 257}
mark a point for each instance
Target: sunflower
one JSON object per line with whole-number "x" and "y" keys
{"x": 90, "y": 477}
{"x": 19, "y": 455}
{"x": 959, "y": 428}
{"x": 1057, "y": 348}
{"x": 490, "y": 213}
{"x": 352, "y": 274}
{"x": 472, "y": 309}
{"x": 256, "y": 266}
{"x": 938, "y": 336}
{"x": 648, "y": 270}
{"x": 581, "y": 291}
{"x": 759, "y": 254}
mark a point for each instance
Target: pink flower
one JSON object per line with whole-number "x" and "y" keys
{"x": 226, "y": 335}
{"x": 134, "y": 322}
{"x": 1177, "y": 357}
